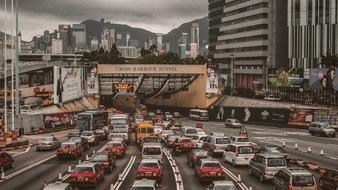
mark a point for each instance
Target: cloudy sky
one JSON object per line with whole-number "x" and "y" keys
{"x": 154, "y": 15}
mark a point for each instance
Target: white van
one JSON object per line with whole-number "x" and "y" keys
{"x": 152, "y": 151}
{"x": 239, "y": 154}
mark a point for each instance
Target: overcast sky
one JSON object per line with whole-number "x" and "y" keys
{"x": 154, "y": 15}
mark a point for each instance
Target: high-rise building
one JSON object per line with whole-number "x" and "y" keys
{"x": 215, "y": 17}
{"x": 94, "y": 44}
{"x": 193, "y": 50}
{"x": 79, "y": 36}
{"x": 183, "y": 45}
{"x": 159, "y": 42}
{"x": 253, "y": 36}
{"x": 195, "y": 35}
{"x": 65, "y": 36}
{"x": 57, "y": 46}
{"x": 122, "y": 38}
{"x": 313, "y": 31}
{"x": 108, "y": 37}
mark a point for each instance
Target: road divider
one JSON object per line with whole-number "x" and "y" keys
{"x": 176, "y": 171}
{"x": 122, "y": 176}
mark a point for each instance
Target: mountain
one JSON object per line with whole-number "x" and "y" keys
{"x": 95, "y": 28}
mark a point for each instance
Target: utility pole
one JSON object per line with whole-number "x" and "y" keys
{"x": 5, "y": 69}
{"x": 17, "y": 77}
{"x": 232, "y": 74}
{"x": 12, "y": 65}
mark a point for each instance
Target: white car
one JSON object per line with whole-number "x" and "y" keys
{"x": 200, "y": 131}
{"x": 239, "y": 154}
{"x": 233, "y": 123}
{"x": 198, "y": 140}
{"x": 157, "y": 129}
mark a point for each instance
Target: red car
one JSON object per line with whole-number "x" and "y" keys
{"x": 150, "y": 169}
{"x": 69, "y": 149}
{"x": 6, "y": 160}
{"x": 329, "y": 179}
{"x": 183, "y": 144}
{"x": 116, "y": 149}
{"x": 89, "y": 174}
{"x": 209, "y": 170}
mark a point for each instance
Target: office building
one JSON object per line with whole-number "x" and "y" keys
{"x": 108, "y": 37}
{"x": 252, "y": 35}
{"x": 195, "y": 35}
{"x": 94, "y": 44}
{"x": 79, "y": 36}
{"x": 215, "y": 17}
{"x": 193, "y": 50}
{"x": 122, "y": 38}
{"x": 65, "y": 36}
{"x": 57, "y": 46}
{"x": 129, "y": 52}
{"x": 313, "y": 31}
{"x": 182, "y": 46}
{"x": 159, "y": 42}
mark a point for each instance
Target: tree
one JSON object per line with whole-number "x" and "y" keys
{"x": 201, "y": 59}
{"x": 144, "y": 52}
{"x": 329, "y": 60}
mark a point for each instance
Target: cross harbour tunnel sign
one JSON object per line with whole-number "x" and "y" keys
{"x": 150, "y": 69}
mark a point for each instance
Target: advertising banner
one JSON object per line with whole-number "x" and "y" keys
{"x": 59, "y": 120}
{"x": 300, "y": 117}
{"x": 257, "y": 115}
{"x": 281, "y": 78}
{"x": 326, "y": 116}
{"x": 68, "y": 84}
{"x": 323, "y": 79}
{"x": 212, "y": 82}
{"x": 93, "y": 82}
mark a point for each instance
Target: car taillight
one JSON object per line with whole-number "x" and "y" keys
{"x": 195, "y": 158}
{"x": 106, "y": 163}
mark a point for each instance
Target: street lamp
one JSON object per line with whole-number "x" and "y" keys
{"x": 232, "y": 73}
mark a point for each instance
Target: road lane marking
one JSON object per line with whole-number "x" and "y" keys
{"x": 27, "y": 149}
{"x": 124, "y": 174}
{"x": 27, "y": 168}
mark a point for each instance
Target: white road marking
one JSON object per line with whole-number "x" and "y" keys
{"x": 27, "y": 149}
{"x": 125, "y": 173}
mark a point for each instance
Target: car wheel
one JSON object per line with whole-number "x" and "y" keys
{"x": 233, "y": 163}
{"x": 261, "y": 178}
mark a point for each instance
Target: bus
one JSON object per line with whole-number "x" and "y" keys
{"x": 143, "y": 129}
{"x": 200, "y": 115}
{"x": 91, "y": 120}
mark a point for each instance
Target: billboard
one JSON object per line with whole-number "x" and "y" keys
{"x": 326, "y": 116}
{"x": 68, "y": 84}
{"x": 323, "y": 79}
{"x": 92, "y": 82}
{"x": 212, "y": 82}
{"x": 281, "y": 78}
{"x": 59, "y": 120}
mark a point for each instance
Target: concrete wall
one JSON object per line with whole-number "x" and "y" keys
{"x": 194, "y": 97}
{"x": 29, "y": 121}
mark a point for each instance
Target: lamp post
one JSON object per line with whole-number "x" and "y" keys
{"x": 232, "y": 74}
{"x": 5, "y": 68}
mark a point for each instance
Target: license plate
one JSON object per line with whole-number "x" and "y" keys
{"x": 80, "y": 179}
{"x": 148, "y": 174}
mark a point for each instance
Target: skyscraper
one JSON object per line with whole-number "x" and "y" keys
{"x": 313, "y": 31}
{"x": 79, "y": 36}
{"x": 183, "y": 46}
{"x": 159, "y": 45}
{"x": 195, "y": 35}
{"x": 65, "y": 36}
{"x": 122, "y": 38}
{"x": 108, "y": 37}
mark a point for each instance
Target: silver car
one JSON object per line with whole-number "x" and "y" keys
{"x": 48, "y": 143}
{"x": 216, "y": 185}
{"x": 297, "y": 178}
{"x": 265, "y": 166}
{"x": 322, "y": 129}
{"x": 58, "y": 186}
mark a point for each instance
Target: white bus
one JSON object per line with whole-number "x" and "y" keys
{"x": 200, "y": 115}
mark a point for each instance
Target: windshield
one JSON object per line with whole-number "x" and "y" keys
{"x": 148, "y": 165}
{"x": 326, "y": 126}
{"x": 225, "y": 188}
{"x": 186, "y": 140}
{"x": 242, "y": 139}
{"x": 87, "y": 134}
{"x": 201, "y": 153}
{"x": 211, "y": 165}
{"x": 83, "y": 121}
{"x": 302, "y": 181}
{"x": 275, "y": 162}
{"x": 150, "y": 140}
{"x": 46, "y": 139}
{"x": 83, "y": 169}
{"x": 67, "y": 146}
{"x": 139, "y": 117}
{"x": 276, "y": 150}
{"x": 245, "y": 150}
{"x": 100, "y": 158}
{"x": 223, "y": 141}
{"x": 120, "y": 120}
{"x": 152, "y": 151}
{"x": 115, "y": 144}
{"x": 191, "y": 131}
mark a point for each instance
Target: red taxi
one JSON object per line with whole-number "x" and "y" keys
{"x": 88, "y": 174}
{"x": 183, "y": 144}
{"x": 116, "y": 149}
{"x": 150, "y": 169}
{"x": 208, "y": 170}
{"x": 69, "y": 149}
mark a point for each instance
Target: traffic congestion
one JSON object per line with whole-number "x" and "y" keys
{"x": 162, "y": 150}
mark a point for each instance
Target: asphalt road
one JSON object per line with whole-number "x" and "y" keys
{"x": 35, "y": 177}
